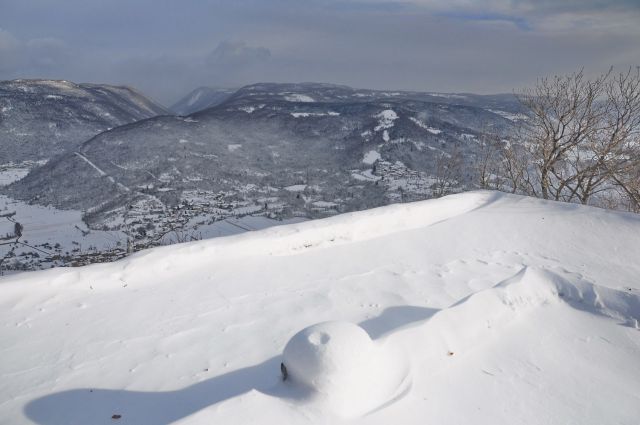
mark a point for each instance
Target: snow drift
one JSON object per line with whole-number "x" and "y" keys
{"x": 477, "y": 308}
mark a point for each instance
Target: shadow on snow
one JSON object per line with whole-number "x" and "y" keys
{"x": 96, "y": 406}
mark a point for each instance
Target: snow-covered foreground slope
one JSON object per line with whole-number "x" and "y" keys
{"x": 481, "y": 308}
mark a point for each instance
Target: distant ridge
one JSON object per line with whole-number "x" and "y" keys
{"x": 42, "y": 118}
{"x": 282, "y": 150}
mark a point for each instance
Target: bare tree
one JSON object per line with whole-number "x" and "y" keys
{"x": 582, "y": 139}
{"x": 564, "y": 114}
{"x": 516, "y": 170}
{"x": 448, "y": 172}
{"x": 610, "y": 153}
{"x": 619, "y": 146}
{"x": 487, "y": 163}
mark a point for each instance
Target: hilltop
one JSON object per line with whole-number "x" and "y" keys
{"x": 489, "y": 309}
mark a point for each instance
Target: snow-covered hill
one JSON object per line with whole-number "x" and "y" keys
{"x": 343, "y": 149}
{"x": 280, "y": 151}
{"x": 42, "y": 118}
{"x": 480, "y": 308}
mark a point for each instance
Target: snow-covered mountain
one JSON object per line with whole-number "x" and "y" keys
{"x": 480, "y": 308}
{"x": 201, "y": 98}
{"x": 281, "y": 150}
{"x": 42, "y": 118}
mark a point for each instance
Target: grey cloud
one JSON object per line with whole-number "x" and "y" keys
{"x": 237, "y": 53}
{"x": 164, "y": 78}
{"x": 9, "y": 52}
{"x": 47, "y": 53}
{"x": 168, "y": 77}
{"x": 167, "y": 48}
{"x": 234, "y": 63}
{"x": 594, "y": 15}
{"x": 32, "y": 57}
{"x": 7, "y": 41}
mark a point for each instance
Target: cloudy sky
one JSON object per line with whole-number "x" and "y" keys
{"x": 168, "y": 47}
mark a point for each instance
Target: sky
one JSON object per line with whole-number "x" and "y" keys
{"x": 166, "y": 48}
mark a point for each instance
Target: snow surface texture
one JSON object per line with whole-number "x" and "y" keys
{"x": 478, "y": 308}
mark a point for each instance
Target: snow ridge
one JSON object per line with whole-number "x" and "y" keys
{"x": 474, "y": 308}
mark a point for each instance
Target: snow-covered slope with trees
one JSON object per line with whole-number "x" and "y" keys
{"x": 345, "y": 149}
{"x": 42, "y": 118}
{"x": 480, "y": 308}
{"x": 271, "y": 151}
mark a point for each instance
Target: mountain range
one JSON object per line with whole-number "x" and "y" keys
{"x": 271, "y": 152}
{"x": 285, "y": 149}
{"x": 43, "y": 118}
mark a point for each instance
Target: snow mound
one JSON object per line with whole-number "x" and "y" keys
{"x": 328, "y": 356}
{"x": 534, "y": 286}
{"x": 345, "y": 368}
{"x": 481, "y": 314}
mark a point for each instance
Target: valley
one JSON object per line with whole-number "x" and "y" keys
{"x": 269, "y": 153}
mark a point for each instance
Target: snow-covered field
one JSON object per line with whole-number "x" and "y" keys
{"x": 50, "y": 226}
{"x": 49, "y": 232}
{"x": 9, "y": 175}
{"x": 12, "y": 172}
{"x": 479, "y": 308}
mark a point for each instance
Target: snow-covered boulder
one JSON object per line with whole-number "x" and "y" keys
{"x": 342, "y": 366}
{"x": 329, "y": 355}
